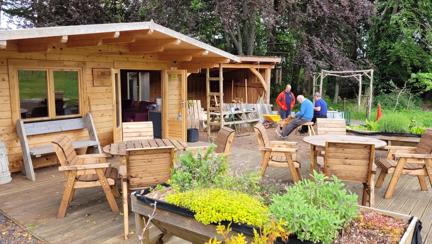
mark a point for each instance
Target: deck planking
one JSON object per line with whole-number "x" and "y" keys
{"x": 90, "y": 220}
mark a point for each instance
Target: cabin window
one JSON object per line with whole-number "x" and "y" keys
{"x": 66, "y": 92}
{"x": 33, "y": 92}
{"x": 48, "y": 94}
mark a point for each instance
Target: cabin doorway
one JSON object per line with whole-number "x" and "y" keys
{"x": 149, "y": 95}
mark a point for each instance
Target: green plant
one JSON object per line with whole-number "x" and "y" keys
{"x": 372, "y": 125}
{"x": 394, "y": 122}
{"x": 204, "y": 169}
{"x": 214, "y": 205}
{"x": 316, "y": 209}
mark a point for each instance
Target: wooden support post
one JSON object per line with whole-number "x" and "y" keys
{"x": 232, "y": 90}
{"x": 360, "y": 91}
{"x": 208, "y": 100}
{"x": 221, "y": 103}
{"x": 370, "y": 94}
{"x": 321, "y": 81}
{"x": 246, "y": 90}
{"x": 267, "y": 78}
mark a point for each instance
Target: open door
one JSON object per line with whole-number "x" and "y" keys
{"x": 174, "y": 104}
{"x": 117, "y": 132}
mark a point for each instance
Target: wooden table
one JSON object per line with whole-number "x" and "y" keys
{"x": 319, "y": 142}
{"x": 120, "y": 148}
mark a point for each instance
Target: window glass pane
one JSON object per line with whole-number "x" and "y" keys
{"x": 66, "y": 92}
{"x": 33, "y": 93}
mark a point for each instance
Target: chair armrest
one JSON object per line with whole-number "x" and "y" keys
{"x": 283, "y": 143}
{"x": 84, "y": 166}
{"x": 399, "y": 148}
{"x": 91, "y": 158}
{"x": 413, "y": 155}
{"x": 281, "y": 149}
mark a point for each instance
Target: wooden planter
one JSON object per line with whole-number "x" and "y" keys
{"x": 186, "y": 227}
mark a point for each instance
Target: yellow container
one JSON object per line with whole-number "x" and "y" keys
{"x": 272, "y": 117}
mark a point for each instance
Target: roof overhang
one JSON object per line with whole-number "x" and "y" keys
{"x": 139, "y": 38}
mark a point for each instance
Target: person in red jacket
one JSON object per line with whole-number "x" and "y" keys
{"x": 285, "y": 100}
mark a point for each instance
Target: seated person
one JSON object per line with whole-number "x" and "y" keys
{"x": 320, "y": 109}
{"x": 304, "y": 115}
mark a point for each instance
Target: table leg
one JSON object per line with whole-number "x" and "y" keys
{"x": 313, "y": 159}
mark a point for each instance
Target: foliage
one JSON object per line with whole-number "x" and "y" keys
{"x": 394, "y": 122}
{"x": 406, "y": 100}
{"x": 371, "y": 125}
{"x": 203, "y": 170}
{"x": 315, "y": 210}
{"x": 269, "y": 234}
{"x": 215, "y": 205}
{"x": 400, "y": 40}
{"x": 422, "y": 80}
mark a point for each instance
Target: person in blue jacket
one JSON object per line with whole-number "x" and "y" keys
{"x": 304, "y": 115}
{"x": 320, "y": 109}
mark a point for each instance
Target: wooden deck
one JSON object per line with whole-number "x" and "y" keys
{"x": 89, "y": 219}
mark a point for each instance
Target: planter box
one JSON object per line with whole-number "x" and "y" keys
{"x": 178, "y": 221}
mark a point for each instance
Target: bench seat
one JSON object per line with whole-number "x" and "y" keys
{"x": 48, "y": 149}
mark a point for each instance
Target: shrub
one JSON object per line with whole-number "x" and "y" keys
{"x": 205, "y": 169}
{"x": 394, "y": 122}
{"x": 214, "y": 205}
{"x": 315, "y": 210}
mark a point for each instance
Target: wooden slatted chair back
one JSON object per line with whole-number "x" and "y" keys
{"x": 349, "y": 161}
{"x": 149, "y": 167}
{"x": 425, "y": 144}
{"x": 137, "y": 130}
{"x": 261, "y": 133}
{"x": 331, "y": 126}
{"x": 224, "y": 140}
{"x": 64, "y": 150}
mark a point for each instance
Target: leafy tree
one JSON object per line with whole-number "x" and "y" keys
{"x": 400, "y": 42}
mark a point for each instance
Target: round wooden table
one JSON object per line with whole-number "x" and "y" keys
{"x": 319, "y": 141}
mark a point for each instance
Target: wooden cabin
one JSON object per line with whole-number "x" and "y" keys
{"x": 119, "y": 72}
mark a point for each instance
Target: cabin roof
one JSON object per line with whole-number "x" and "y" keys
{"x": 136, "y": 34}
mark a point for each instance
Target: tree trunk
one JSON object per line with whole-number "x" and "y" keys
{"x": 336, "y": 91}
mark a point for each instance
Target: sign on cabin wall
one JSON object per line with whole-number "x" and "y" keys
{"x": 101, "y": 77}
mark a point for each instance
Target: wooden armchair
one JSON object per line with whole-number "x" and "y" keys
{"x": 144, "y": 168}
{"x": 223, "y": 142}
{"x": 352, "y": 162}
{"x": 277, "y": 153}
{"x": 84, "y": 171}
{"x": 407, "y": 160}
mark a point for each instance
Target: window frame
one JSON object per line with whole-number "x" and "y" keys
{"x": 15, "y": 86}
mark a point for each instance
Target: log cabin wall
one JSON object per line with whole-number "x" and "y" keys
{"x": 97, "y": 99}
{"x": 234, "y": 86}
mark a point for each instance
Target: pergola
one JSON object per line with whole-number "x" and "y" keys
{"x": 357, "y": 74}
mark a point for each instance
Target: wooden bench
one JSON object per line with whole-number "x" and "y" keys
{"x": 25, "y": 130}
{"x": 331, "y": 126}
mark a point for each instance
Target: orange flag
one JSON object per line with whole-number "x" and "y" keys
{"x": 379, "y": 113}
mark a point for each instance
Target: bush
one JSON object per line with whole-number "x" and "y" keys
{"x": 203, "y": 170}
{"x": 214, "y": 205}
{"x": 394, "y": 122}
{"x": 315, "y": 210}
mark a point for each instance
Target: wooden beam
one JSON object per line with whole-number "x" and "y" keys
{"x": 151, "y": 46}
{"x": 267, "y": 78}
{"x": 90, "y": 39}
{"x": 247, "y": 66}
{"x": 206, "y": 59}
{"x": 260, "y": 78}
{"x": 194, "y": 66}
{"x": 179, "y": 55}
{"x": 3, "y": 44}
{"x": 37, "y": 44}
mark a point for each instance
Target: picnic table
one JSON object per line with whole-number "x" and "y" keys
{"x": 318, "y": 142}
{"x": 120, "y": 148}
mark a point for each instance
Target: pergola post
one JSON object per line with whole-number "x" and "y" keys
{"x": 321, "y": 82}
{"x": 360, "y": 91}
{"x": 370, "y": 94}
